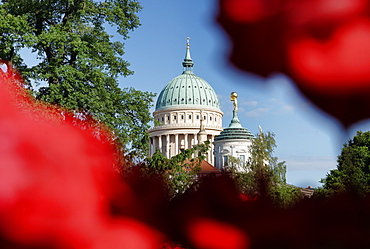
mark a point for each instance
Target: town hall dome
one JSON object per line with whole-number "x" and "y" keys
{"x": 188, "y": 91}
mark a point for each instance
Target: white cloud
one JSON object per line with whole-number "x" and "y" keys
{"x": 306, "y": 171}
{"x": 256, "y": 108}
{"x": 286, "y": 109}
{"x": 249, "y": 104}
{"x": 280, "y": 107}
{"x": 258, "y": 112}
{"x": 220, "y": 97}
{"x": 310, "y": 162}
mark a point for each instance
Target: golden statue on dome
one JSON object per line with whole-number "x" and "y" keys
{"x": 233, "y": 97}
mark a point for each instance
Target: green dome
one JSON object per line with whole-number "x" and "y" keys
{"x": 188, "y": 90}
{"x": 235, "y": 130}
{"x": 234, "y": 133}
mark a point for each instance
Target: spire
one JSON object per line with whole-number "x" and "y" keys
{"x": 235, "y": 123}
{"x": 188, "y": 62}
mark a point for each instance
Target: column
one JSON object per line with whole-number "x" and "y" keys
{"x": 167, "y": 146}
{"x": 160, "y": 143}
{"x": 176, "y": 144}
{"x": 150, "y": 146}
{"x": 195, "y": 139}
{"x": 186, "y": 145}
{"x": 212, "y": 149}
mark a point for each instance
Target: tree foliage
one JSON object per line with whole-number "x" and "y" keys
{"x": 353, "y": 169}
{"x": 78, "y": 61}
{"x": 180, "y": 171}
{"x": 263, "y": 175}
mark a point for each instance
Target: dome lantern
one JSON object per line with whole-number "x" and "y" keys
{"x": 188, "y": 62}
{"x": 235, "y": 130}
{"x": 235, "y": 123}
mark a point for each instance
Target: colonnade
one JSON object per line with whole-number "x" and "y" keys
{"x": 171, "y": 144}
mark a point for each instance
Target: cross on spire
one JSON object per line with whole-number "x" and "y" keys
{"x": 188, "y": 62}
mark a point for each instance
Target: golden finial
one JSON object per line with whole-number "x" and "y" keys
{"x": 233, "y": 97}
{"x": 188, "y": 42}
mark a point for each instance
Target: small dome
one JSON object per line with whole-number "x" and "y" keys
{"x": 234, "y": 133}
{"x": 187, "y": 90}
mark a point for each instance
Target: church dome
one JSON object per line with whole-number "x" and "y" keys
{"x": 188, "y": 90}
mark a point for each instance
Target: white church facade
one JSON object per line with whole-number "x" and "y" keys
{"x": 187, "y": 113}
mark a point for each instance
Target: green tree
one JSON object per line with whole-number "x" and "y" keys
{"x": 353, "y": 169}
{"x": 242, "y": 174}
{"x": 180, "y": 171}
{"x": 263, "y": 174}
{"x": 78, "y": 60}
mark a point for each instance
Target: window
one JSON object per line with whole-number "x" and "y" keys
{"x": 242, "y": 159}
{"x": 168, "y": 118}
{"x": 162, "y": 119}
{"x": 174, "y": 117}
{"x": 210, "y": 118}
{"x": 189, "y": 116}
{"x": 182, "y": 116}
{"x": 197, "y": 116}
{"x": 226, "y": 160}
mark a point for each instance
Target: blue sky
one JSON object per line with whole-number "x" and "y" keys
{"x": 307, "y": 140}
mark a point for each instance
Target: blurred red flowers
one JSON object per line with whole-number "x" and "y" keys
{"x": 207, "y": 233}
{"x": 56, "y": 180}
{"x": 323, "y": 45}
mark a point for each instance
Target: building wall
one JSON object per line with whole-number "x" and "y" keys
{"x": 235, "y": 148}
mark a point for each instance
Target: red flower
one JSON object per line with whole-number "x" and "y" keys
{"x": 56, "y": 179}
{"x": 207, "y": 233}
{"x": 323, "y": 45}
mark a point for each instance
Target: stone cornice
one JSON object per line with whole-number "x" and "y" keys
{"x": 184, "y": 126}
{"x": 187, "y": 109}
